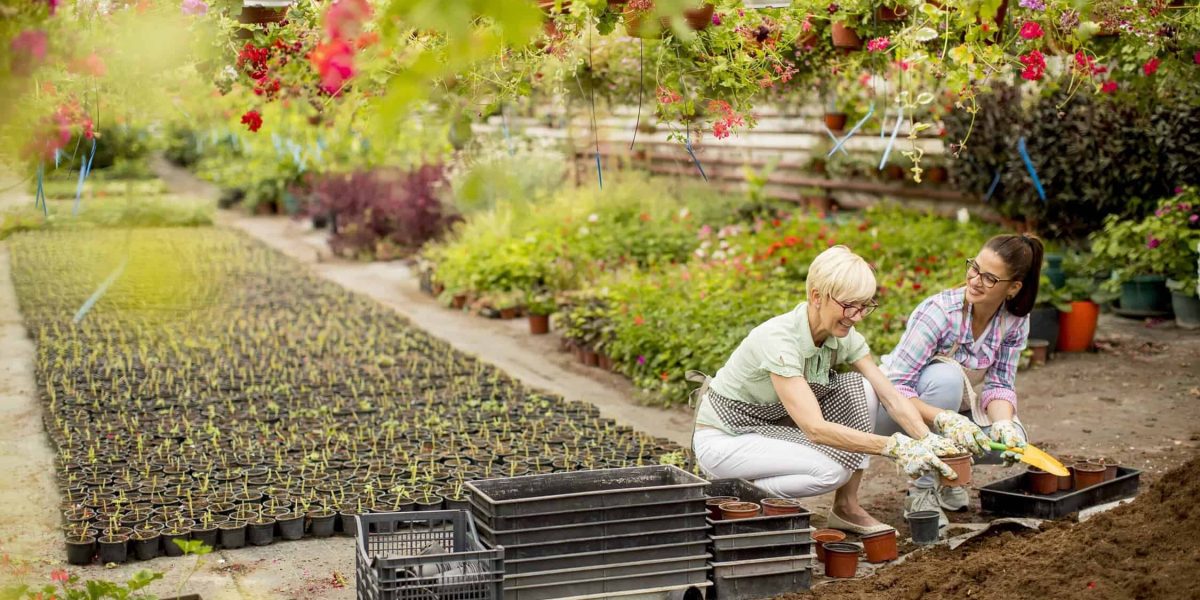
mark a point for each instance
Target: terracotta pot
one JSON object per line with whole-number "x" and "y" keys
{"x": 845, "y": 38}
{"x": 841, "y": 559}
{"x": 1041, "y": 351}
{"x": 697, "y": 19}
{"x": 881, "y": 547}
{"x": 539, "y": 324}
{"x": 889, "y": 13}
{"x": 591, "y": 358}
{"x": 835, "y": 121}
{"x": 738, "y": 510}
{"x": 261, "y": 15}
{"x": 1088, "y": 474}
{"x": 1067, "y": 482}
{"x": 894, "y": 172}
{"x": 605, "y": 363}
{"x": 1040, "y": 482}
{"x": 458, "y": 301}
{"x": 962, "y": 466}
{"x": 1110, "y": 468}
{"x": 818, "y": 204}
{"x": 509, "y": 313}
{"x": 1077, "y": 328}
{"x": 773, "y": 507}
{"x": 822, "y": 536}
{"x": 807, "y": 40}
{"x": 713, "y": 505}
{"x": 937, "y": 174}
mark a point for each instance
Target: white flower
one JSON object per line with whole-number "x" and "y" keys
{"x": 584, "y": 230}
{"x": 724, "y": 244}
{"x": 964, "y": 216}
{"x": 706, "y": 244}
{"x": 699, "y": 253}
{"x": 719, "y": 255}
{"x": 683, "y": 213}
{"x": 593, "y": 218}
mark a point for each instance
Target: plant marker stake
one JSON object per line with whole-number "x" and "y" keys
{"x": 833, "y": 137}
{"x": 687, "y": 143}
{"x": 41, "y": 192}
{"x": 853, "y": 130}
{"x": 87, "y": 305}
{"x": 57, "y": 153}
{"x": 992, "y": 187}
{"x": 891, "y": 141}
{"x": 641, "y": 87}
{"x": 85, "y": 169}
{"x": 1037, "y": 183}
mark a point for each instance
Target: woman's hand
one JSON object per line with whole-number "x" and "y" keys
{"x": 1006, "y": 432}
{"x": 962, "y": 431}
{"x": 915, "y": 457}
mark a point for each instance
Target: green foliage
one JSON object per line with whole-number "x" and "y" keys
{"x": 148, "y": 211}
{"x": 1163, "y": 243}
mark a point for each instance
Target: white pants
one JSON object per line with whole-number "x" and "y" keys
{"x": 785, "y": 469}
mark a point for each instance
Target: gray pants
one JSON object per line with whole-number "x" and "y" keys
{"x": 940, "y": 385}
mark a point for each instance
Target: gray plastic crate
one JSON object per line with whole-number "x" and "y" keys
{"x": 604, "y": 557}
{"x": 578, "y": 517}
{"x": 588, "y": 573}
{"x": 577, "y": 490}
{"x": 761, "y": 539}
{"x": 748, "y": 492}
{"x": 428, "y": 555}
{"x": 616, "y": 542}
{"x": 610, "y": 585}
{"x": 754, "y": 587}
{"x": 757, "y": 553}
{"x": 762, "y": 566}
{"x": 562, "y": 533}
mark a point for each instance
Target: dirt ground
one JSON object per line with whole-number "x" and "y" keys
{"x": 1137, "y": 400}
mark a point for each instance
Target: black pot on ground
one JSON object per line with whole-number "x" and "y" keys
{"x": 208, "y": 537}
{"x": 261, "y": 531}
{"x": 81, "y": 550}
{"x": 431, "y": 502}
{"x": 458, "y": 503}
{"x": 291, "y": 526}
{"x": 1043, "y": 325}
{"x": 113, "y": 548}
{"x": 146, "y": 544}
{"x": 170, "y": 548}
{"x": 232, "y": 534}
{"x": 321, "y": 523}
{"x": 346, "y": 521}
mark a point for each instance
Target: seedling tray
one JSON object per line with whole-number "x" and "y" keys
{"x": 615, "y": 542}
{"x": 575, "y": 490}
{"x": 562, "y": 533}
{"x": 588, "y": 573}
{"x": 1008, "y": 496}
{"x": 579, "y": 517}
{"x": 608, "y": 585}
{"x": 779, "y": 551}
{"x": 604, "y": 557}
{"x": 748, "y": 492}
{"x": 753, "y": 587}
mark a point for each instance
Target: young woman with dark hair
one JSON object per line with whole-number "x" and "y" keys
{"x": 957, "y": 360}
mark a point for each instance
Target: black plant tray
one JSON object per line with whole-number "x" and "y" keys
{"x": 1008, "y": 496}
{"x": 578, "y": 490}
{"x": 608, "y": 585}
{"x": 614, "y": 542}
{"x": 748, "y": 492}
{"x": 604, "y": 557}
{"x": 562, "y": 533}
{"x": 582, "y": 516}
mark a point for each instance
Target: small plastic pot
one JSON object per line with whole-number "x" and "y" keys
{"x": 232, "y": 534}
{"x": 346, "y": 520}
{"x": 81, "y": 549}
{"x": 1040, "y": 482}
{"x": 169, "y": 547}
{"x": 1110, "y": 468}
{"x": 961, "y": 465}
{"x": 208, "y": 537}
{"x": 739, "y": 510}
{"x": 1041, "y": 350}
{"x": 114, "y": 548}
{"x": 291, "y": 526}
{"x": 773, "y": 507}
{"x": 924, "y": 526}
{"x": 321, "y": 523}
{"x": 841, "y": 559}
{"x": 1088, "y": 474}
{"x": 1067, "y": 482}
{"x": 881, "y": 547}
{"x": 713, "y": 505}
{"x": 146, "y": 544}
{"x": 823, "y": 536}
{"x": 261, "y": 532}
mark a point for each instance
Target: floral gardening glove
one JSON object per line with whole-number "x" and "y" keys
{"x": 939, "y": 445}
{"x": 1006, "y": 432}
{"x": 915, "y": 457}
{"x": 962, "y": 431}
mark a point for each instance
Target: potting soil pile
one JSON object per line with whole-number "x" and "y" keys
{"x": 1149, "y": 548}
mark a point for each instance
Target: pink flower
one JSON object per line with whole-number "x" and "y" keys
{"x": 29, "y": 50}
{"x": 53, "y": 6}
{"x": 1109, "y": 87}
{"x": 1035, "y": 66}
{"x": 1196, "y": 57}
{"x": 716, "y": 20}
{"x": 253, "y": 120}
{"x": 641, "y": 360}
{"x": 59, "y": 576}
{"x": 667, "y": 96}
{"x": 194, "y": 7}
{"x": 344, "y": 18}
{"x": 1031, "y": 30}
{"x": 1153, "y": 242}
{"x": 334, "y": 62}
{"x": 1193, "y": 218}
{"x": 1151, "y": 66}
{"x": 879, "y": 44}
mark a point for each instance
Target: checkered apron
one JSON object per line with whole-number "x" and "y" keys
{"x": 843, "y": 401}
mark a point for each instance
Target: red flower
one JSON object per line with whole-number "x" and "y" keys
{"x": 665, "y": 376}
{"x": 253, "y": 120}
{"x": 1196, "y": 57}
{"x": 1035, "y": 66}
{"x": 334, "y": 62}
{"x": 59, "y": 576}
{"x": 344, "y": 18}
{"x": 638, "y": 320}
{"x": 667, "y": 95}
{"x": 1151, "y": 66}
{"x": 1031, "y": 30}
{"x": 1109, "y": 87}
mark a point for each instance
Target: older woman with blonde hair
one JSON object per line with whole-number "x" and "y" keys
{"x": 778, "y": 414}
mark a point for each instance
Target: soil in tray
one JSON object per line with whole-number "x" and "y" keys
{"x": 1145, "y": 549}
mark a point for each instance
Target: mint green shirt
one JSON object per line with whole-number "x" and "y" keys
{"x": 784, "y": 346}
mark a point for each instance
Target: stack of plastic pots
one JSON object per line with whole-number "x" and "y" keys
{"x": 759, "y": 557}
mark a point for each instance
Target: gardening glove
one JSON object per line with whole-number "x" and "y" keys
{"x": 939, "y": 445}
{"x": 1006, "y": 432}
{"x": 914, "y": 457}
{"x": 963, "y": 431}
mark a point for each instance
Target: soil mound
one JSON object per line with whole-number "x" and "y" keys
{"x": 1148, "y": 549}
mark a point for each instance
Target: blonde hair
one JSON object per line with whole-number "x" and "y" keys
{"x": 842, "y": 274}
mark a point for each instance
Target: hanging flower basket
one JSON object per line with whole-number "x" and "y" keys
{"x": 835, "y": 121}
{"x": 845, "y": 38}
{"x": 698, "y": 19}
{"x": 263, "y": 12}
{"x": 891, "y": 13}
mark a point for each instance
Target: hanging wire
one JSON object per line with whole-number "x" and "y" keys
{"x": 641, "y": 87}
{"x": 595, "y": 128}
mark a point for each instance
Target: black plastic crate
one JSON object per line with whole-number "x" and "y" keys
{"x": 591, "y": 572}
{"x": 616, "y": 542}
{"x": 1008, "y": 496}
{"x": 748, "y": 492}
{"x": 609, "y": 585}
{"x": 761, "y": 552}
{"x": 425, "y": 555}
{"x": 753, "y": 587}
{"x": 562, "y": 533}
{"x": 604, "y": 557}
{"x": 576, "y": 490}
{"x": 588, "y": 515}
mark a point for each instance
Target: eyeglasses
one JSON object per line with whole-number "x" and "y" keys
{"x": 989, "y": 280}
{"x": 849, "y": 311}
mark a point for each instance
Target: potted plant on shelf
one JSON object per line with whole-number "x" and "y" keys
{"x": 1138, "y": 271}
{"x": 1174, "y": 233}
{"x": 539, "y": 305}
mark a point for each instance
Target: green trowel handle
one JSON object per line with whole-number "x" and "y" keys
{"x": 1002, "y": 448}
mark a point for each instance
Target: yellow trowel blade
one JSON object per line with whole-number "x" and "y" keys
{"x": 1031, "y": 455}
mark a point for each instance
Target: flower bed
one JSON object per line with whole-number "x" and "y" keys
{"x": 217, "y": 384}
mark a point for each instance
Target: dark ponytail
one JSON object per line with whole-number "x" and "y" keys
{"x": 1022, "y": 254}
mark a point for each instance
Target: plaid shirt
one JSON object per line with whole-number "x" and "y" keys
{"x": 934, "y": 327}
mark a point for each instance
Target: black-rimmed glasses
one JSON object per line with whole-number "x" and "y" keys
{"x": 989, "y": 280}
{"x": 849, "y": 311}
